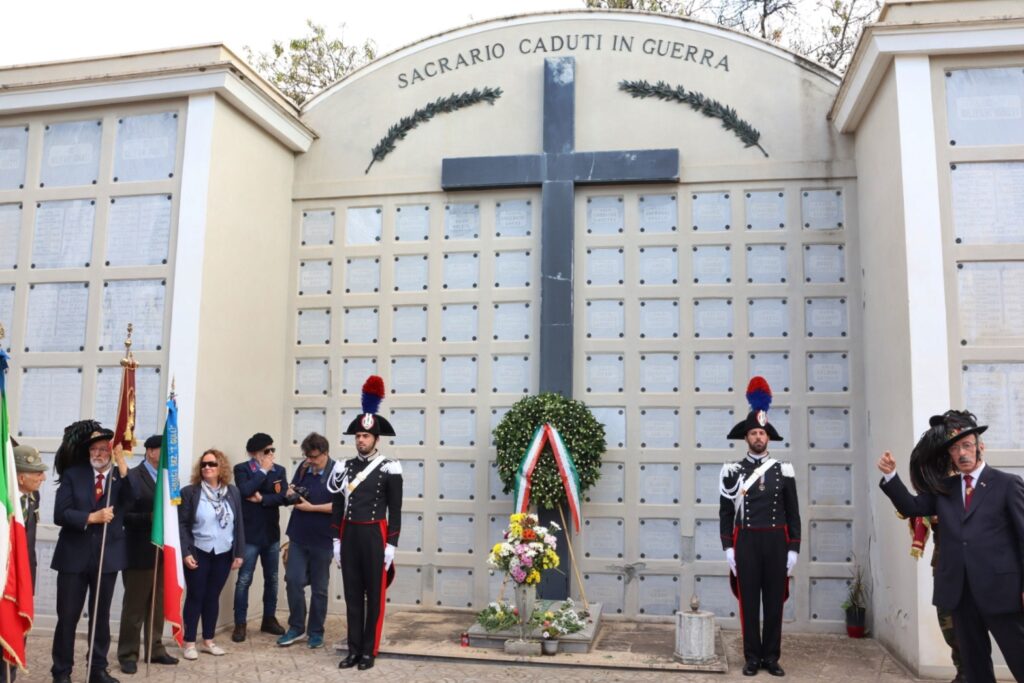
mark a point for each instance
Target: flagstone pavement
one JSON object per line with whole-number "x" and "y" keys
{"x": 434, "y": 654}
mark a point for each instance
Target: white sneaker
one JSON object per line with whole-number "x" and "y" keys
{"x": 213, "y": 649}
{"x": 190, "y": 652}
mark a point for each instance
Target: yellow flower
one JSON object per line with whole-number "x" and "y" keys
{"x": 533, "y": 577}
{"x": 496, "y": 550}
{"x": 517, "y": 517}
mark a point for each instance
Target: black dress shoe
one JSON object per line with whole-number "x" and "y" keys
{"x": 751, "y": 667}
{"x": 63, "y": 678}
{"x": 128, "y": 667}
{"x": 366, "y": 662}
{"x": 164, "y": 659}
{"x": 348, "y": 662}
{"x": 774, "y": 669}
{"x": 101, "y": 676}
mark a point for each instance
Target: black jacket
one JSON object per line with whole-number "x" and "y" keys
{"x": 774, "y": 506}
{"x": 78, "y": 545}
{"x": 190, "y": 496}
{"x": 379, "y": 497}
{"x": 138, "y": 520}
{"x": 262, "y": 520}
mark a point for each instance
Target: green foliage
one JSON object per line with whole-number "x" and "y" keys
{"x": 302, "y": 67}
{"x": 442, "y": 105}
{"x": 498, "y": 616}
{"x": 582, "y": 433}
{"x": 856, "y": 590}
{"x": 560, "y": 622}
{"x": 698, "y": 102}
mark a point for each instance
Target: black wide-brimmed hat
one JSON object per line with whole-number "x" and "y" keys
{"x": 369, "y": 421}
{"x": 957, "y": 425}
{"x": 759, "y": 396}
{"x": 74, "y": 447}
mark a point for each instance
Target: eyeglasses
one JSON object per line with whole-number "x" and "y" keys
{"x": 963, "y": 446}
{"x": 207, "y": 463}
{"x": 268, "y": 451}
{"x": 313, "y": 455}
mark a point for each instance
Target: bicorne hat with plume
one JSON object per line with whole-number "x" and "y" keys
{"x": 759, "y": 396}
{"x": 369, "y": 421}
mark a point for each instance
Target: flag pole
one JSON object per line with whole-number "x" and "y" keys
{"x": 572, "y": 557}
{"x": 152, "y": 608}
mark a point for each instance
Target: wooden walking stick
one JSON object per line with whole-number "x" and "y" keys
{"x": 572, "y": 557}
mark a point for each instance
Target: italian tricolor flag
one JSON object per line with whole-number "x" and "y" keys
{"x": 165, "y": 523}
{"x": 16, "y": 608}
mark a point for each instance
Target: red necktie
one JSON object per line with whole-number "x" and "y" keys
{"x": 968, "y": 491}
{"x": 99, "y": 486}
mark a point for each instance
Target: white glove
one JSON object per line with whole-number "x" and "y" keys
{"x": 730, "y": 557}
{"x": 389, "y": 556}
{"x": 790, "y": 562}
{"x": 337, "y": 552}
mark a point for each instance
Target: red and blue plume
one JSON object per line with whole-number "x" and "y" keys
{"x": 373, "y": 394}
{"x": 759, "y": 394}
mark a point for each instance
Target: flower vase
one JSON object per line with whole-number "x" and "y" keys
{"x": 525, "y": 597}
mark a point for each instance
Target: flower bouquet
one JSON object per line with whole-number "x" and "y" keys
{"x": 554, "y": 624}
{"x": 498, "y": 616}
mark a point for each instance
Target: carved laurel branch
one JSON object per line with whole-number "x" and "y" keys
{"x": 442, "y": 105}
{"x": 698, "y": 102}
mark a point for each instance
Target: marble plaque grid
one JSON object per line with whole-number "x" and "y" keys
{"x": 659, "y": 265}
{"x": 459, "y": 322}
{"x": 659, "y": 427}
{"x": 659, "y": 373}
{"x": 362, "y": 275}
{"x": 826, "y": 317}
{"x": 149, "y": 402}
{"x": 512, "y": 321}
{"x": 13, "y": 155}
{"x": 306, "y": 421}
{"x": 496, "y": 532}
{"x": 317, "y": 228}
{"x": 824, "y": 264}
{"x": 658, "y": 594}
{"x": 605, "y": 215}
{"x": 410, "y": 425}
{"x": 610, "y": 487}
{"x": 363, "y": 225}
{"x": 606, "y": 319}
{"x": 705, "y": 477}
{"x": 412, "y": 525}
{"x": 10, "y": 233}
{"x": 821, "y": 209}
{"x": 354, "y": 372}
{"x": 707, "y": 542}
{"x": 658, "y": 213}
{"x": 712, "y": 211}
{"x": 139, "y": 302}
{"x": 513, "y": 218}
{"x": 312, "y": 376}
{"x": 412, "y": 480}
{"x": 713, "y": 372}
{"x": 988, "y": 202}
{"x": 315, "y": 277}
{"x": 461, "y": 270}
{"x": 458, "y": 427}
{"x": 660, "y": 483}
{"x": 71, "y": 153}
{"x": 412, "y": 223}
{"x": 408, "y": 375}
{"x": 990, "y": 296}
{"x": 455, "y": 533}
{"x": 411, "y": 590}
{"x": 511, "y": 374}
{"x": 313, "y": 326}
{"x": 497, "y": 413}
{"x": 711, "y": 426}
{"x": 461, "y": 221}
{"x": 659, "y": 319}
{"x": 145, "y": 147}
{"x": 57, "y": 316}
{"x": 827, "y": 597}
{"x": 996, "y": 390}
{"x": 409, "y": 324}
{"x": 411, "y": 273}
{"x": 604, "y": 537}
{"x": 453, "y": 587}
{"x": 6, "y": 309}
{"x": 512, "y": 269}
{"x": 712, "y": 318}
{"x": 495, "y": 486}
{"x": 773, "y": 366}
{"x": 605, "y": 267}
{"x": 828, "y": 371}
{"x": 712, "y": 264}
{"x": 715, "y": 595}
{"x": 459, "y": 374}
{"x": 455, "y": 480}
{"x": 779, "y": 416}
{"x": 828, "y": 428}
{"x": 138, "y": 230}
{"x": 360, "y": 325}
{"x": 62, "y": 235}
{"x": 831, "y": 485}
{"x": 766, "y": 264}
{"x": 765, "y": 209}
{"x": 984, "y": 106}
{"x": 608, "y": 589}
{"x": 605, "y": 372}
{"x": 831, "y": 540}
{"x": 614, "y": 420}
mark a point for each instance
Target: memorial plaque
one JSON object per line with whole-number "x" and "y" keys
{"x": 453, "y": 587}
{"x": 605, "y": 266}
{"x": 765, "y": 210}
{"x": 354, "y": 372}
{"x": 410, "y": 592}
{"x": 461, "y": 221}
{"x": 496, "y": 532}
{"x": 773, "y": 366}
{"x": 45, "y": 590}
{"x": 145, "y": 147}
{"x": 831, "y": 485}
{"x": 707, "y": 541}
{"x": 455, "y": 533}
{"x": 495, "y": 486}
{"x": 138, "y": 230}
{"x": 659, "y": 428}
{"x": 456, "y": 480}
{"x": 996, "y": 390}
{"x": 827, "y": 597}
{"x": 513, "y": 218}
{"x": 604, "y": 537}
{"x": 659, "y": 594}
{"x": 315, "y": 277}
{"x": 827, "y": 316}
{"x": 988, "y": 202}
{"x": 614, "y": 421}
{"x": 459, "y": 322}
{"x": 659, "y": 319}
{"x": 780, "y": 417}
{"x": 511, "y": 374}
{"x": 139, "y": 302}
{"x": 711, "y": 426}
{"x": 660, "y": 483}
{"x": 824, "y": 264}
{"x": 363, "y": 225}
{"x": 57, "y": 315}
{"x": 412, "y": 223}
{"x": 47, "y": 494}
{"x": 712, "y": 318}
{"x": 317, "y": 228}
{"x": 705, "y": 478}
{"x": 984, "y": 106}
{"x": 658, "y": 213}
{"x": 789, "y": 606}
{"x": 360, "y": 325}
{"x": 828, "y": 371}
{"x": 512, "y": 269}
{"x": 458, "y": 427}
{"x": 831, "y": 540}
{"x": 408, "y": 375}
{"x": 409, "y": 324}
{"x": 13, "y": 153}
{"x": 712, "y": 264}
{"x": 828, "y": 428}
{"x": 610, "y": 487}
{"x": 10, "y": 234}
{"x": 713, "y": 372}
{"x": 71, "y": 153}
{"x": 766, "y": 264}
{"x": 512, "y": 321}
{"x": 345, "y": 419}
{"x": 659, "y": 265}
{"x": 607, "y": 589}
{"x": 991, "y": 300}
{"x": 314, "y": 326}
{"x": 605, "y": 215}
{"x": 821, "y": 209}
{"x": 411, "y": 273}
{"x": 497, "y": 413}
{"x": 62, "y": 236}
{"x": 410, "y": 425}
{"x": 312, "y": 376}
{"x": 6, "y": 309}
{"x": 305, "y": 421}
{"x": 412, "y": 483}
{"x": 461, "y": 270}
{"x": 362, "y": 275}
{"x": 51, "y": 399}
{"x": 659, "y": 373}
{"x": 606, "y": 319}
{"x": 715, "y": 595}
{"x": 149, "y": 399}
{"x": 458, "y": 374}
{"x": 606, "y": 373}
{"x": 712, "y": 211}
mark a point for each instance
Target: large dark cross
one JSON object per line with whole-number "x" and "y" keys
{"x": 558, "y": 169}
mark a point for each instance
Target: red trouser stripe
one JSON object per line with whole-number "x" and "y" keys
{"x": 383, "y": 590}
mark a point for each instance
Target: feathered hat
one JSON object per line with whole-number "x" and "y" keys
{"x": 957, "y": 424}
{"x": 930, "y": 465}
{"x": 759, "y": 396}
{"x": 74, "y": 448}
{"x": 369, "y": 421}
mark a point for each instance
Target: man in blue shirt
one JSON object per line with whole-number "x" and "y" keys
{"x": 262, "y": 484}
{"x": 309, "y": 544}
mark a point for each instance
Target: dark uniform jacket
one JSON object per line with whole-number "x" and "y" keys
{"x": 379, "y": 497}
{"x": 190, "y": 496}
{"x": 78, "y": 545}
{"x": 138, "y": 520}
{"x": 30, "y": 509}
{"x": 262, "y": 520}
{"x": 775, "y": 506}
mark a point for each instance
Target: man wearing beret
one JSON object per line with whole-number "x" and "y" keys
{"x": 263, "y": 485}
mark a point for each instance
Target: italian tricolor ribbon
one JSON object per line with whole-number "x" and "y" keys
{"x": 546, "y": 434}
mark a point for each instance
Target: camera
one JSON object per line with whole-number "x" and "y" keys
{"x": 296, "y": 492}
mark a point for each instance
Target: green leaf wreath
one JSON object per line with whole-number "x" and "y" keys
{"x": 582, "y": 433}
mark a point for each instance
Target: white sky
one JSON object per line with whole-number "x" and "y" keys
{"x": 49, "y": 30}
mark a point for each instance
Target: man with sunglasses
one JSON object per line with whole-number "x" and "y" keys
{"x": 263, "y": 485}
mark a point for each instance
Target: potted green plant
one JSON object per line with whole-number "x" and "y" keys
{"x": 856, "y": 603}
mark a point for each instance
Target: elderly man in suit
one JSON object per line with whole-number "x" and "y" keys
{"x": 981, "y": 566}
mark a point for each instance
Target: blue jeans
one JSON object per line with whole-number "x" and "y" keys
{"x": 307, "y": 566}
{"x": 268, "y": 556}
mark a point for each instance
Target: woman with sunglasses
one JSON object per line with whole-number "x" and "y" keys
{"x": 212, "y": 543}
